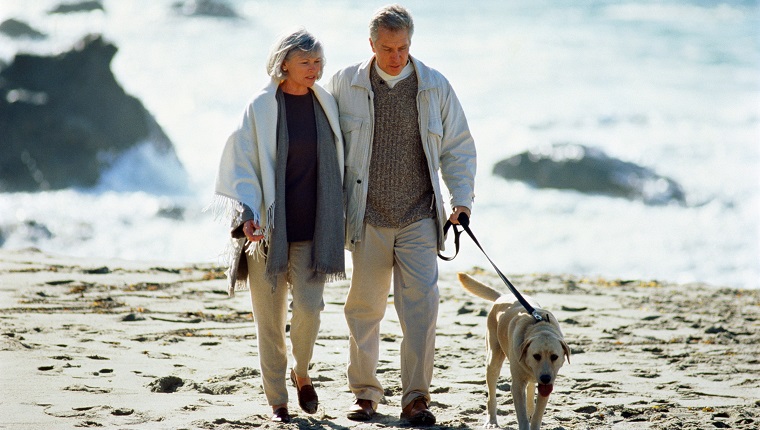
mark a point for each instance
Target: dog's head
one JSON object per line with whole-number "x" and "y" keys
{"x": 544, "y": 354}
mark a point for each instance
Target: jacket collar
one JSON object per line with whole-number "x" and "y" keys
{"x": 361, "y": 77}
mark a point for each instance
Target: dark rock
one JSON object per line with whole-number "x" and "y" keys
{"x": 587, "y": 409}
{"x": 716, "y": 330}
{"x": 166, "y": 384}
{"x": 18, "y": 29}
{"x": 97, "y": 271}
{"x": 82, "y": 6}
{"x": 589, "y": 170}
{"x": 171, "y": 212}
{"x": 65, "y": 121}
{"x": 33, "y": 231}
{"x": 212, "y": 8}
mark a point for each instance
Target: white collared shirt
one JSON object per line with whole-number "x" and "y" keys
{"x": 393, "y": 80}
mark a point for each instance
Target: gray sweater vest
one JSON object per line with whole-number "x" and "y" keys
{"x": 400, "y": 191}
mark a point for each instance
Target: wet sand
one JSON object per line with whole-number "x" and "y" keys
{"x": 142, "y": 345}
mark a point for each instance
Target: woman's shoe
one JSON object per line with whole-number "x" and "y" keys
{"x": 307, "y": 397}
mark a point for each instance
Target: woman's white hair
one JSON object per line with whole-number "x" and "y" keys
{"x": 299, "y": 42}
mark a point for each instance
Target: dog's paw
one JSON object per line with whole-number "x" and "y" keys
{"x": 490, "y": 425}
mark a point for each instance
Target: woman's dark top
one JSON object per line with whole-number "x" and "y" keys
{"x": 301, "y": 169}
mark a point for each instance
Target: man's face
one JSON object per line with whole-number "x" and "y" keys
{"x": 391, "y": 50}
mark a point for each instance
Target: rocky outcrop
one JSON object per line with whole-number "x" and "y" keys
{"x": 16, "y": 29}
{"x": 208, "y": 8}
{"x": 82, "y": 6}
{"x": 589, "y": 170}
{"x": 65, "y": 121}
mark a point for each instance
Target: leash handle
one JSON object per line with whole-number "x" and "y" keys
{"x": 464, "y": 221}
{"x": 457, "y": 233}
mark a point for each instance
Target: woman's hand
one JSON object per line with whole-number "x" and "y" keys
{"x": 251, "y": 231}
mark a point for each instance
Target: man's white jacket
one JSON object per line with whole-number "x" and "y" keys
{"x": 446, "y": 140}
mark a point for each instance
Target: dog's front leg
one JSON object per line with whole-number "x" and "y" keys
{"x": 530, "y": 392}
{"x": 519, "y": 398}
{"x": 493, "y": 369}
{"x": 538, "y": 414}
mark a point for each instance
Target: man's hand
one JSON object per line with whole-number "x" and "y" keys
{"x": 454, "y": 217}
{"x": 250, "y": 230}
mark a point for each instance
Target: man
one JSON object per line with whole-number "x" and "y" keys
{"x": 402, "y": 123}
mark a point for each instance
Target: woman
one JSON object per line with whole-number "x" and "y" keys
{"x": 280, "y": 182}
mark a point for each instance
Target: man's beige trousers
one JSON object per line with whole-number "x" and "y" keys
{"x": 408, "y": 255}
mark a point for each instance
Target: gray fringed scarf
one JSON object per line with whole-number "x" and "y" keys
{"x": 327, "y": 260}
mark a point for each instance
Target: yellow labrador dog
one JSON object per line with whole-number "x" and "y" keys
{"x": 536, "y": 350}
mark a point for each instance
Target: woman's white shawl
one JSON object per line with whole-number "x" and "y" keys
{"x": 247, "y": 167}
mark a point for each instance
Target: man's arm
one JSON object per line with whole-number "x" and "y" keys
{"x": 458, "y": 154}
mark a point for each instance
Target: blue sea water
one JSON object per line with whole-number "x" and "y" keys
{"x": 672, "y": 85}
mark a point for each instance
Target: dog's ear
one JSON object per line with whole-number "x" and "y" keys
{"x": 567, "y": 350}
{"x": 524, "y": 348}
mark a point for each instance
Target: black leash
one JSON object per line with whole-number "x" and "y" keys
{"x": 464, "y": 221}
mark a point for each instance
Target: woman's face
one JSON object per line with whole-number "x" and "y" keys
{"x": 302, "y": 71}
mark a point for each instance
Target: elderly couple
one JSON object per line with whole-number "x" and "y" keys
{"x": 374, "y": 140}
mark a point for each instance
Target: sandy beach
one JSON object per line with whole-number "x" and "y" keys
{"x": 146, "y": 345}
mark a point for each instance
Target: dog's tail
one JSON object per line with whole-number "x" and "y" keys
{"x": 478, "y": 288}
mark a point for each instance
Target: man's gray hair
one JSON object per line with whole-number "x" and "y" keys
{"x": 393, "y": 17}
{"x": 299, "y": 42}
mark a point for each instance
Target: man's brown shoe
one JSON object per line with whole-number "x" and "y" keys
{"x": 361, "y": 410}
{"x": 280, "y": 415}
{"x": 417, "y": 413}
